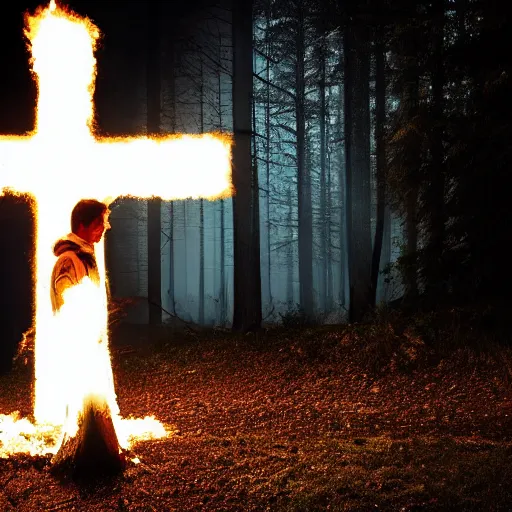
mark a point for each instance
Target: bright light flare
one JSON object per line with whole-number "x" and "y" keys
{"x": 60, "y": 163}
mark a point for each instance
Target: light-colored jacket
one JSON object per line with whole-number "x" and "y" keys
{"x": 76, "y": 260}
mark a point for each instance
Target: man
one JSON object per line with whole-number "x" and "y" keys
{"x": 75, "y": 252}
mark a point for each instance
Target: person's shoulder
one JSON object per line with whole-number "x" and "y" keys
{"x": 67, "y": 256}
{"x": 67, "y": 261}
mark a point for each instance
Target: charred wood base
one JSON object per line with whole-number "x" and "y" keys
{"x": 94, "y": 451}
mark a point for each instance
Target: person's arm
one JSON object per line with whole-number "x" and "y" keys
{"x": 62, "y": 283}
{"x": 64, "y": 276}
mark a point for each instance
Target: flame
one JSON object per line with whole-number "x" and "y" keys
{"x": 60, "y": 163}
{"x": 81, "y": 341}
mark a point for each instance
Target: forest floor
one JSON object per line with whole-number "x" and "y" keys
{"x": 356, "y": 418}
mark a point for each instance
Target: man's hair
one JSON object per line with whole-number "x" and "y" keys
{"x": 86, "y": 212}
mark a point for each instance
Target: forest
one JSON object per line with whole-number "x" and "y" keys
{"x": 370, "y": 157}
{"x": 376, "y": 171}
{"x": 336, "y": 335}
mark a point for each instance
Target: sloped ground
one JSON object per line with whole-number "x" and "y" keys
{"x": 320, "y": 419}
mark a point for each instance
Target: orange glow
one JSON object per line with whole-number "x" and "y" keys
{"x": 60, "y": 163}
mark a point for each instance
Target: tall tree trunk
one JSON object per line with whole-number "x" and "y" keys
{"x": 411, "y": 234}
{"x": 153, "y": 127}
{"x": 410, "y": 103}
{"x": 344, "y": 256}
{"x": 324, "y": 240}
{"x": 171, "y": 87}
{"x": 222, "y": 263}
{"x": 247, "y": 286}
{"x": 357, "y": 135}
{"x": 436, "y": 195}
{"x": 303, "y": 175}
{"x": 267, "y": 162}
{"x": 185, "y": 252}
{"x": 380, "y": 121}
{"x": 171, "y": 293}
{"x": 289, "y": 253}
{"x": 201, "y": 206}
{"x": 222, "y": 291}
{"x": 255, "y": 228}
{"x": 201, "y": 261}
{"x": 342, "y": 178}
{"x": 328, "y": 221}
{"x": 385, "y": 258}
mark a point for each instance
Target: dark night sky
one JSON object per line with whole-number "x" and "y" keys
{"x": 121, "y": 51}
{"x": 17, "y": 91}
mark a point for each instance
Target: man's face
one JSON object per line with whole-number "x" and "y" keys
{"x": 98, "y": 227}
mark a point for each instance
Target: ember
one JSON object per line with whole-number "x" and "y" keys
{"x": 71, "y": 369}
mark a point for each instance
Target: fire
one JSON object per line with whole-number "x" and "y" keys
{"x": 59, "y": 163}
{"x": 81, "y": 342}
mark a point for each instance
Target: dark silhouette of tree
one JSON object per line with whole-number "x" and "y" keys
{"x": 381, "y": 164}
{"x": 171, "y": 104}
{"x": 153, "y": 127}
{"x": 247, "y": 281}
{"x": 433, "y": 258}
{"x": 405, "y": 147}
{"x": 478, "y": 106}
{"x": 201, "y": 201}
{"x": 357, "y": 136}
{"x": 324, "y": 210}
{"x": 303, "y": 171}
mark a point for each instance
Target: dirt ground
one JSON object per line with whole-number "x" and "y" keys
{"x": 288, "y": 420}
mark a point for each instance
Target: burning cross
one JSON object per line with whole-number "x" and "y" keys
{"x": 62, "y": 162}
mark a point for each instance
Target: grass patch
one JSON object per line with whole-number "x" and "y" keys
{"x": 417, "y": 473}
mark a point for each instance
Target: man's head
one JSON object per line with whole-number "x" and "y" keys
{"x": 89, "y": 220}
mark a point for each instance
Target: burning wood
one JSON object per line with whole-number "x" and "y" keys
{"x": 94, "y": 450}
